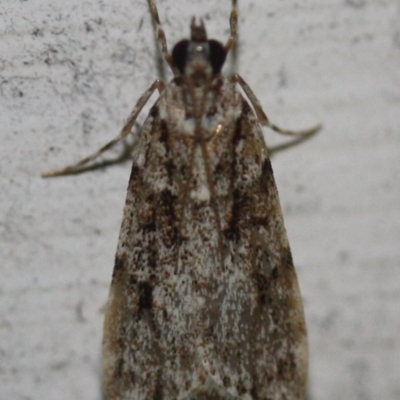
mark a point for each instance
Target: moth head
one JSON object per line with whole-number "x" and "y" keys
{"x": 199, "y": 59}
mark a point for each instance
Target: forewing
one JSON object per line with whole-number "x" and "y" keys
{"x": 140, "y": 349}
{"x": 204, "y": 302}
{"x": 258, "y": 346}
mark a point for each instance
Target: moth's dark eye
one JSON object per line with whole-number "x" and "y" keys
{"x": 179, "y": 55}
{"x": 217, "y": 55}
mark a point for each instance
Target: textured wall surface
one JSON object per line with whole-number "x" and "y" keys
{"x": 69, "y": 74}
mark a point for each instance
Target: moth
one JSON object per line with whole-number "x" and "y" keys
{"x": 204, "y": 302}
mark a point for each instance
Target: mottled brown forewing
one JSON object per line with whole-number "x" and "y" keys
{"x": 204, "y": 301}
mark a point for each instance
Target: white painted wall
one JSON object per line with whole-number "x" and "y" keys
{"x": 69, "y": 74}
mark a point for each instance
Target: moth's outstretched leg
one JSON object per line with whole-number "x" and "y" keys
{"x": 263, "y": 119}
{"x": 291, "y": 143}
{"x": 126, "y": 130}
{"x": 233, "y": 20}
{"x": 160, "y": 34}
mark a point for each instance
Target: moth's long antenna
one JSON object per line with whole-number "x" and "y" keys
{"x": 160, "y": 34}
{"x": 233, "y": 21}
{"x": 160, "y": 61}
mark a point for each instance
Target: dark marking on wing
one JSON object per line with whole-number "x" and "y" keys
{"x": 254, "y": 393}
{"x": 237, "y": 136}
{"x": 239, "y": 199}
{"x": 262, "y": 284}
{"x": 246, "y": 109}
{"x": 168, "y": 218}
{"x": 118, "y": 370}
{"x": 135, "y": 171}
{"x": 286, "y": 367}
{"x": 153, "y": 257}
{"x": 145, "y": 290}
{"x": 154, "y": 111}
{"x": 233, "y": 231}
{"x": 119, "y": 262}
{"x": 164, "y": 134}
{"x": 119, "y": 266}
{"x": 149, "y": 225}
{"x": 287, "y": 259}
{"x": 267, "y": 175}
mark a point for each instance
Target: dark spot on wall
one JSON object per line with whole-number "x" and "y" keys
{"x": 355, "y": 3}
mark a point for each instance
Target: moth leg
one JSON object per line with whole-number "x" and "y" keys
{"x": 160, "y": 34}
{"x": 292, "y": 143}
{"x": 263, "y": 119}
{"x": 125, "y": 131}
{"x": 233, "y": 21}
